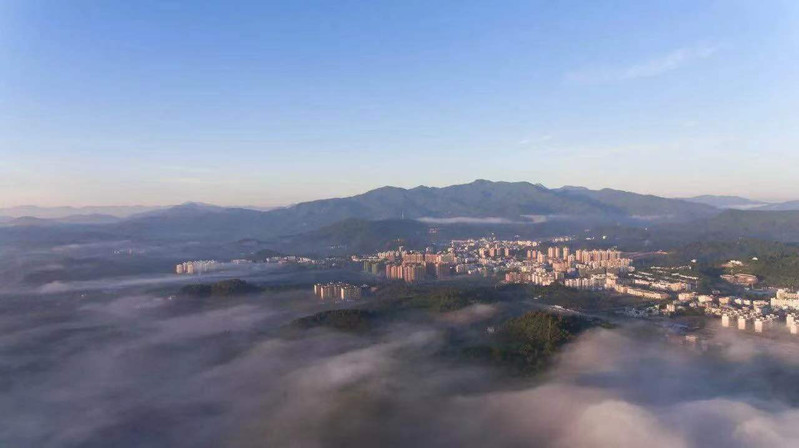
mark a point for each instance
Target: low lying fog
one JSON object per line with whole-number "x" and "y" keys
{"x": 141, "y": 370}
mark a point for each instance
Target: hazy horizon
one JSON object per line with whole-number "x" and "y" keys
{"x": 322, "y": 196}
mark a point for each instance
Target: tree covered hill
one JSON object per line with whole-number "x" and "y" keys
{"x": 523, "y": 342}
{"x": 780, "y": 226}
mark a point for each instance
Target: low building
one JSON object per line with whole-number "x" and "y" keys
{"x": 725, "y": 320}
{"x": 645, "y": 293}
{"x": 785, "y": 300}
{"x": 741, "y": 279}
{"x": 741, "y": 323}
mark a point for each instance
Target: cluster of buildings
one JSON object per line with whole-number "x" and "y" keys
{"x": 520, "y": 261}
{"x": 580, "y": 269}
{"x": 559, "y": 264}
{"x": 757, "y": 315}
{"x": 602, "y": 270}
{"x": 539, "y": 276}
{"x": 785, "y": 300}
{"x": 197, "y": 267}
{"x": 337, "y": 291}
{"x": 647, "y": 294}
{"x": 741, "y": 320}
{"x": 416, "y": 272}
{"x": 656, "y": 284}
{"x": 564, "y": 258}
{"x": 594, "y": 282}
{"x": 658, "y": 281}
{"x": 624, "y": 285}
{"x": 409, "y": 266}
{"x": 293, "y": 259}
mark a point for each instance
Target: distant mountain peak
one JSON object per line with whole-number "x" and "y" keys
{"x": 387, "y": 188}
{"x": 571, "y": 188}
{"x": 193, "y": 204}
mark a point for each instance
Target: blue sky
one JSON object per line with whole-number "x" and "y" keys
{"x": 268, "y": 103}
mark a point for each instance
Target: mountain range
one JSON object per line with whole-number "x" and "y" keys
{"x": 33, "y": 211}
{"x": 519, "y": 206}
{"x": 479, "y": 202}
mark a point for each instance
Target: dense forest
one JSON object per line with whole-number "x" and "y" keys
{"x": 520, "y": 341}
{"x": 774, "y": 263}
{"x": 348, "y": 320}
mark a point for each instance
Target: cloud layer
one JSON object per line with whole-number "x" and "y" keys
{"x": 140, "y": 370}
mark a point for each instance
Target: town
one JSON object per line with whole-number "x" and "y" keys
{"x": 545, "y": 263}
{"x": 515, "y": 261}
{"x": 664, "y": 291}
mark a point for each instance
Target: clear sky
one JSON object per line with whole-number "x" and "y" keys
{"x": 274, "y": 102}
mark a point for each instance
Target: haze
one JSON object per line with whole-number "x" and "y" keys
{"x": 313, "y": 224}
